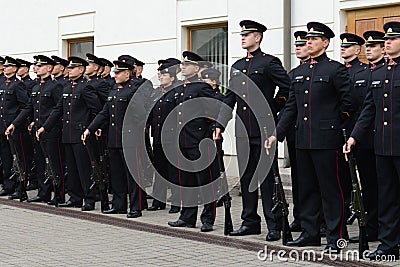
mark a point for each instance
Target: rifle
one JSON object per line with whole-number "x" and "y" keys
{"x": 18, "y": 170}
{"x": 99, "y": 174}
{"x": 226, "y": 199}
{"x": 279, "y": 199}
{"x": 357, "y": 204}
{"x": 50, "y": 174}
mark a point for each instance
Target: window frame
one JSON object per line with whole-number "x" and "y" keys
{"x": 78, "y": 40}
{"x": 190, "y": 30}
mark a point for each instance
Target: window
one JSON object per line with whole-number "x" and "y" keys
{"x": 211, "y": 43}
{"x": 79, "y": 47}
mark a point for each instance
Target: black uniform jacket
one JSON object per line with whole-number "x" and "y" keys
{"x": 113, "y": 113}
{"x": 77, "y": 105}
{"x": 320, "y": 101}
{"x": 266, "y": 73}
{"x": 382, "y": 109}
{"x": 13, "y": 98}
{"x": 191, "y": 132}
{"x": 44, "y": 97}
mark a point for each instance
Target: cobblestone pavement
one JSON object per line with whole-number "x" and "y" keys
{"x": 31, "y": 238}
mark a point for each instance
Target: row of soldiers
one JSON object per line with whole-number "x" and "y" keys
{"x": 325, "y": 97}
{"x": 314, "y": 102}
{"x": 63, "y": 111}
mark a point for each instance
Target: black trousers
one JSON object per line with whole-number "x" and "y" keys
{"x": 164, "y": 171}
{"x": 28, "y": 142}
{"x": 366, "y": 163}
{"x": 247, "y": 169}
{"x": 294, "y": 175}
{"x": 389, "y": 201}
{"x": 53, "y": 150}
{"x": 190, "y": 179}
{"x": 79, "y": 172}
{"x": 320, "y": 183}
{"x": 123, "y": 183}
{"x": 7, "y": 159}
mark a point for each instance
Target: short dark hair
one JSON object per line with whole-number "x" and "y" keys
{"x": 259, "y": 33}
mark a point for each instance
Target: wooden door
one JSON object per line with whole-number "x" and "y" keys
{"x": 362, "y": 20}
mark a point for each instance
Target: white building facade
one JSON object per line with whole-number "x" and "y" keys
{"x": 156, "y": 29}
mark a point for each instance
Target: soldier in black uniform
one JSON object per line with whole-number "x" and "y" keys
{"x": 267, "y": 72}
{"x": 190, "y": 136}
{"x": 113, "y": 113}
{"x": 320, "y": 99}
{"x": 59, "y": 69}
{"x": 302, "y": 54}
{"x": 146, "y": 87}
{"x": 139, "y": 68}
{"x": 106, "y": 72}
{"x": 212, "y": 77}
{"x": 382, "y": 109}
{"x": 2, "y": 81}
{"x": 44, "y": 98}
{"x": 14, "y": 98}
{"x": 101, "y": 87}
{"x": 2, "y": 77}
{"x": 350, "y": 49}
{"x": 164, "y": 99}
{"x": 77, "y": 105}
{"x": 364, "y": 152}
{"x": 23, "y": 73}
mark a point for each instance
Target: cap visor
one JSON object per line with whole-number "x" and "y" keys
{"x": 245, "y": 32}
{"x": 299, "y": 43}
{"x": 388, "y": 36}
{"x": 314, "y": 35}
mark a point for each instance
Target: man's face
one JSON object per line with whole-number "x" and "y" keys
{"x": 316, "y": 45}
{"x": 122, "y": 76}
{"x": 301, "y": 52}
{"x": 107, "y": 70}
{"x": 392, "y": 47}
{"x": 58, "y": 70}
{"x": 165, "y": 79}
{"x": 43, "y": 70}
{"x": 22, "y": 71}
{"x": 374, "y": 52}
{"x": 188, "y": 69}
{"x": 66, "y": 72}
{"x": 1, "y": 69}
{"x": 10, "y": 70}
{"x": 351, "y": 51}
{"x": 100, "y": 70}
{"x": 139, "y": 70}
{"x": 75, "y": 72}
{"x": 35, "y": 69}
{"x": 250, "y": 40}
{"x": 91, "y": 69}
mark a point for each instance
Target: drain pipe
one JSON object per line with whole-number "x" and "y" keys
{"x": 287, "y": 34}
{"x": 287, "y": 56}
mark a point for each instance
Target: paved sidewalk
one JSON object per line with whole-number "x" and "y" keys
{"x": 31, "y": 238}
